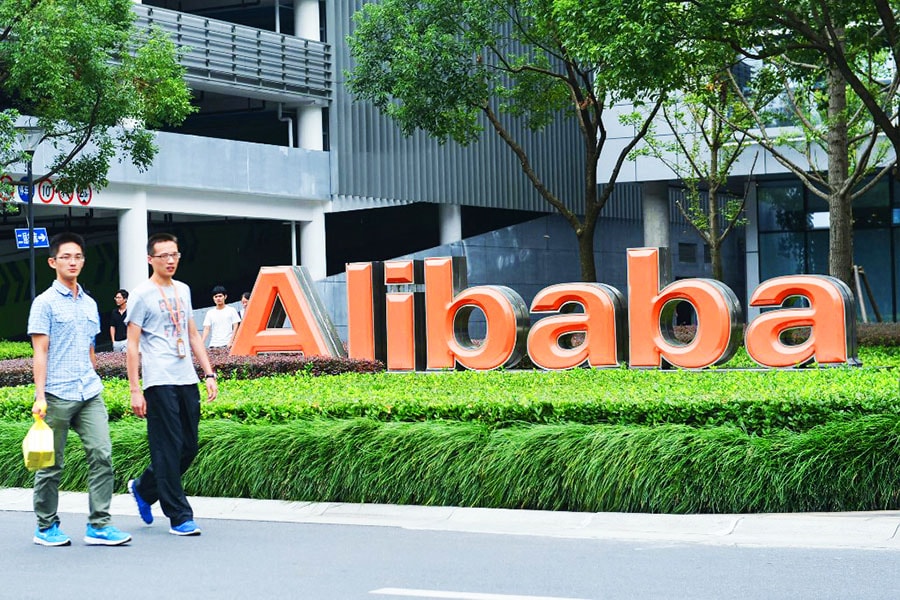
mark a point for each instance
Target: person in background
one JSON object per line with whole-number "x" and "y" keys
{"x": 242, "y": 309}
{"x": 162, "y": 337}
{"x": 221, "y": 322}
{"x": 63, "y": 324}
{"x": 118, "y": 331}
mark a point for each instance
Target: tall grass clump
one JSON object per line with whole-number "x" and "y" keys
{"x": 848, "y": 465}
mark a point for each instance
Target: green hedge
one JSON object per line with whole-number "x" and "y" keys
{"x": 11, "y": 350}
{"x": 754, "y": 401}
{"x": 851, "y": 465}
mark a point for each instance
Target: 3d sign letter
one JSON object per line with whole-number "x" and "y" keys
{"x": 311, "y": 331}
{"x": 415, "y": 315}
{"x": 831, "y": 315}
{"x": 651, "y": 311}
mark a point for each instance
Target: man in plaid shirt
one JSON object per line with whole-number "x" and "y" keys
{"x": 63, "y": 324}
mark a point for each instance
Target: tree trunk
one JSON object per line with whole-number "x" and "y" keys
{"x": 715, "y": 230}
{"x": 586, "y": 252}
{"x": 715, "y": 257}
{"x": 840, "y": 214}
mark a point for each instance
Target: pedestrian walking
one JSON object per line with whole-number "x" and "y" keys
{"x": 221, "y": 321}
{"x": 162, "y": 337}
{"x": 63, "y": 324}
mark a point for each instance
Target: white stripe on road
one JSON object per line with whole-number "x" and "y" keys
{"x": 461, "y": 595}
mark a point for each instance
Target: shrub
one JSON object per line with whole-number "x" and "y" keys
{"x": 10, "y": 350}
{"x": 112, "y": 365}
{"x": 878, "y": 334}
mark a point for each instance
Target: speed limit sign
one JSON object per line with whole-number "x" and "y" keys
{"x": 46, "y": 192}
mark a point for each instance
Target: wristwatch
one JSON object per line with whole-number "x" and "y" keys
{"x": 210, "y": 376}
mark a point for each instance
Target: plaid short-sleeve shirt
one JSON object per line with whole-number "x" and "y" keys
{"x": 72, "y": 323}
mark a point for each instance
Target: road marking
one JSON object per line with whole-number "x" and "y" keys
{"x": 461, "y": 595}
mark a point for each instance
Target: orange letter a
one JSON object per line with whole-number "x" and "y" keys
{"x": 311, "y": 331}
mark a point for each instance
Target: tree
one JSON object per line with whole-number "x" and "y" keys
{"x": 96, "y": 85}
{"x": 452, "y": 68}
{"x": 859, "y": 39}
{"x": 701, "y": 147}
{"x": 833, "y": 136}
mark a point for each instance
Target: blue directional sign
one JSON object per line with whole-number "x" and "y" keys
{"x": 41, "y": 239}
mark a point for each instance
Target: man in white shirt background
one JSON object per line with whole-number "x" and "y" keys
{"x": 221, "y": 322}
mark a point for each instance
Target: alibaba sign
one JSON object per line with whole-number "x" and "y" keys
{"x": 414, "y": 315}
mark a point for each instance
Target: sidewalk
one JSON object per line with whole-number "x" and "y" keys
{"x": 848, "y": 530}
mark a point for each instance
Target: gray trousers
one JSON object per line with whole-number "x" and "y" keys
{"x": 90, "y": 421}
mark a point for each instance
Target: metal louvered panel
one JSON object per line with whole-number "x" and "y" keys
{"x": 623, "y": 203}
{"x": 371, "y": 158}
{"x": 226, "y": 57}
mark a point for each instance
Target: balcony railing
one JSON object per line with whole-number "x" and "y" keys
{"x": 236, "y": 59}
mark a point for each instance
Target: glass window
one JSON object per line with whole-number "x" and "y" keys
{"x": 781, "y": 254}
{"x": 817, "y": 253}
{"x": 687, "y": 253}
{"x": 780, "y": 208}
{"x": 873, "y": 209}
{"x": 870, "y": 253}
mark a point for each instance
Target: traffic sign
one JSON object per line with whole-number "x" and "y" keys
{"x": 6, "y": 196}
{"x": 46, "y": 191}
{"x": 66, "y": 197}
{"x": 41, "y": 239}
{"x": 24, "y": 190}
{"x": 84, "y": 196}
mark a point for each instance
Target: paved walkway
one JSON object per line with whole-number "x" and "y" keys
{"x": 850, "y": 530}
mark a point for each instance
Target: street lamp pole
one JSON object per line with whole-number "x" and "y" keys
{"x": 30, "y": 154}
{"x": 31, "y": 134}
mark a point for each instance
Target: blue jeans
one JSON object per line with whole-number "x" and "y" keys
{"x": 173, "y": 416}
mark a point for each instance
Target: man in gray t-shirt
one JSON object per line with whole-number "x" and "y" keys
{"x": 161, "y": 330}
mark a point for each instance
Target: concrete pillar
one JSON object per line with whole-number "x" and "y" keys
{"x": 133, "y": 236}
{"x": 451, "y": 223}
{"x": 312, "y": 246}
{"x": 306, "y": 19}
{"x": 655, "y": 201}
{"x": 309, "y": 128}
{"x": 309, "y": 118}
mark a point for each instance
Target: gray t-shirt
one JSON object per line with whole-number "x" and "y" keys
{"x": 160, "y": 363}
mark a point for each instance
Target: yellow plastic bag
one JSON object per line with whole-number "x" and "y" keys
{"x": 37, "y": 447}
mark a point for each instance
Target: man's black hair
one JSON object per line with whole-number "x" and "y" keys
{"x": 219, "y": 289}
{"x": 157, "y": 238}
{"x": 66, "y": 237}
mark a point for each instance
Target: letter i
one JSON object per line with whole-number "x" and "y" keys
{"x": 405, "y": 337}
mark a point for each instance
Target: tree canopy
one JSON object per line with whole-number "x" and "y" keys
{"x": 95, "y": 84}
{"x": 456, "y": 68}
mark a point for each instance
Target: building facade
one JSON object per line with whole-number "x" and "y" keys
{"x": 280, "y": 166}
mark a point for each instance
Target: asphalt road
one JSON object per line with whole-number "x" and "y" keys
{"x": 258, "y": 559}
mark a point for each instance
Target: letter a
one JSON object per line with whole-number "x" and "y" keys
{"x": 831, "y": 315}
{"x": 311, "y": 331}
{"x": 603, "y": 324}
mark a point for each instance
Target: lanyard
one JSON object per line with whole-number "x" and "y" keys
{"x": 172, "y": 313}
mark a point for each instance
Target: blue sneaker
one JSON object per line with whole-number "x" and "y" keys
{"x": 143, "y": 507}
{"x": 105, "y": 536}
{"x": 51, "y": 536}
{"x": 186, "y": 528}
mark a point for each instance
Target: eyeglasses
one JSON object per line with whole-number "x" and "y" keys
{"x": 167, "y": 256}
{"x": 70, "y": 257}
